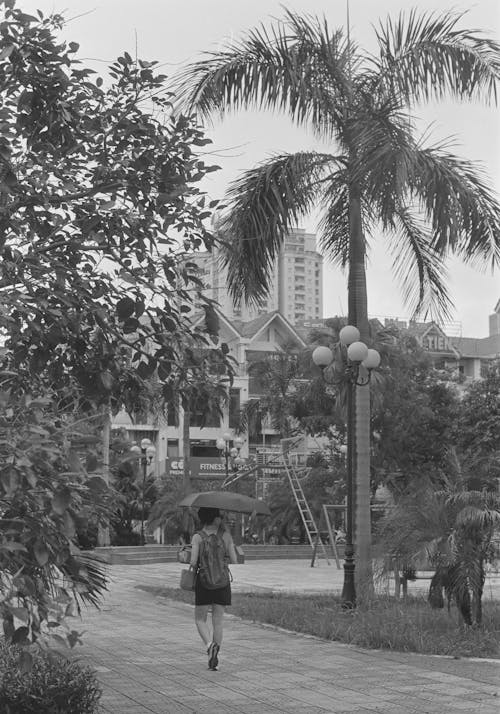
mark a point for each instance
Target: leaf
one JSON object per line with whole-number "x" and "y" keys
{"x": 164, "y": 371}
{"x": 73, "y": 46}
{"x": 10, "y": 480}
{"x": 97, "y": 485}
{"x": 106, "y": 380}
{"x": 12, "y": 547}
{"x": 125, "y": 308}
{"x": 41, "y": 553}
{"x": 146, "y": 369}
{"x": 74, "y": 637}
{"x": 20, "y": 613}
{"x": 6, "y": 52}
{"x": 61, "y": 501}
{"x": 20, "y": 635}
{"x": 211, "y": 321}
{"x": 30, "y": 477}
{"x": 69, "y": 528}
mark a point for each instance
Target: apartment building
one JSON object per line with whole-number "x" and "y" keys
{"x": 247, "y": 342}
{"x": 296, "y": 286}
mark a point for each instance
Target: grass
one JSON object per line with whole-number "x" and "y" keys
{"x": 382, "y": 623}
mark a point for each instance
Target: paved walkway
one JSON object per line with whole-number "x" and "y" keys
{"x": 149, "y": 658}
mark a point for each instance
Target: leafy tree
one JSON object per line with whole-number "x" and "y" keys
{"x": 478, "y": 429}
{"x": 381, "y": 177}
{"x": 134, "y": 494}
{"x": 45, "y": 494}
{"x": 99, "y": 203}
{"x": 103, "y": 202}
{"x": 416, "y": 409}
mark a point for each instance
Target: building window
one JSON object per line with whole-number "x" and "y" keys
{"x": 172, "y": 448}
{"x": 204, "y": 448}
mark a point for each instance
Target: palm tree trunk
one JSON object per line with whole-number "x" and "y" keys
{"x": 358, "y": 316}
{"x": 186, "y": 454}
{"x": 103, "y": 531}
{"x": 186, "y": 450}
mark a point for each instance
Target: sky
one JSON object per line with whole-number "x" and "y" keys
{"x": 174, "y": 33}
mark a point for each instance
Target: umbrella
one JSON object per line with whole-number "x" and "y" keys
{"x": 226, "y": 501}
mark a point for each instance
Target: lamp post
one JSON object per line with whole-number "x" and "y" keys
{"x": 358, "y": 362}
{"x": 230, "y": 454}
{"x": 231, "y": 457}
{"x": 147, "y": 451}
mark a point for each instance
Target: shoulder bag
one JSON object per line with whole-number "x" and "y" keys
{"x": 188, "y": 578}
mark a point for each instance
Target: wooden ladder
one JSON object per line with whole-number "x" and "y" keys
{"x": 294, "y": 477}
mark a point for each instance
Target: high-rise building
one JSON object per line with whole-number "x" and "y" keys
{"x": 300, "y": 278}
{"x": 295, "y": 289}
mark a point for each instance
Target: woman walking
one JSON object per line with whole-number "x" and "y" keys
{"x": 212, "y": 550}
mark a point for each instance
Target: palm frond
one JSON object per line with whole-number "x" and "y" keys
{"x": 463, "y": 211}
{"x": 264, "y": 204}
{"x": 88, "y": 577}
{"x": 384, "y": 156}
{"x": 425, "y": 56}
{"x": 481, "y": 519}
{"x": 298, "y": 66}
{"x": 418, "y": 267}
{"x": 248, "y": 418}
{"x": 334, "y": 224}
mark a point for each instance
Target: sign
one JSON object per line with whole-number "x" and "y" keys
{"x": 209, "y": 467}
{"x": 436, "y": 341}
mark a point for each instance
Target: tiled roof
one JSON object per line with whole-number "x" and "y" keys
{"x": 420, "y": 328}
{"x": 252, "y": 328}
{"x": 249, "y": 329}
{"x": 478, "y": 347}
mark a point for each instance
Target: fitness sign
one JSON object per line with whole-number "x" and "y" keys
{"x": 209, "y": 467}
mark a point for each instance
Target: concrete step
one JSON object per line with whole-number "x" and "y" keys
{"x": 137, "y": 555}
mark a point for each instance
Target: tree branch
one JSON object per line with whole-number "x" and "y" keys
{"x": 41, "y": 199}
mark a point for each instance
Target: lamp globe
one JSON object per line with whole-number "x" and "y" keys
{"x": 357, "y": 351}
{"x": 372, "y": 360}
{"x": 322, "y": 356}
{"x": 349, "y": 334}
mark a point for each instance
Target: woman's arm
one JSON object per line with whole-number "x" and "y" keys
{"x": 230, "y": 549}
{"x": 195, "y": 549}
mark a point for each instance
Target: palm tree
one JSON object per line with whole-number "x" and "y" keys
{"x": 453, "y": 529}
{"x": 381, "y": 178}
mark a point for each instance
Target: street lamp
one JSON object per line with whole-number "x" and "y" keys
{"x": 358, "y": 361}
{"x": 147, "y": 451}
{"x": 230, "y": 454}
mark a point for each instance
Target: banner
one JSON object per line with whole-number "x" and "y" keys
{"x": 209, "y": 467}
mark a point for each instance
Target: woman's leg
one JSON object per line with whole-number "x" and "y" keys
{"x": 200, "y": 618}
{"x": 217, "y": 622}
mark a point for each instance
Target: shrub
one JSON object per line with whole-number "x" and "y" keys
{"x": 51, "y": 685}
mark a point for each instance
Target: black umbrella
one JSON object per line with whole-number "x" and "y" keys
{"x": 226, "y": 501}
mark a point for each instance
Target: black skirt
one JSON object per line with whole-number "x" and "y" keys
{"x": 204, "y": 596}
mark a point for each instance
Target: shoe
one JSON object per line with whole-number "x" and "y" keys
{"x": 213, "y": 659}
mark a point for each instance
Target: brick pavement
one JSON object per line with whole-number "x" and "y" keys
{"x": 149, "y": 658}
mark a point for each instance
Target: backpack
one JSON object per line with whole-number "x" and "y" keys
{"x": 212, "y": 567}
